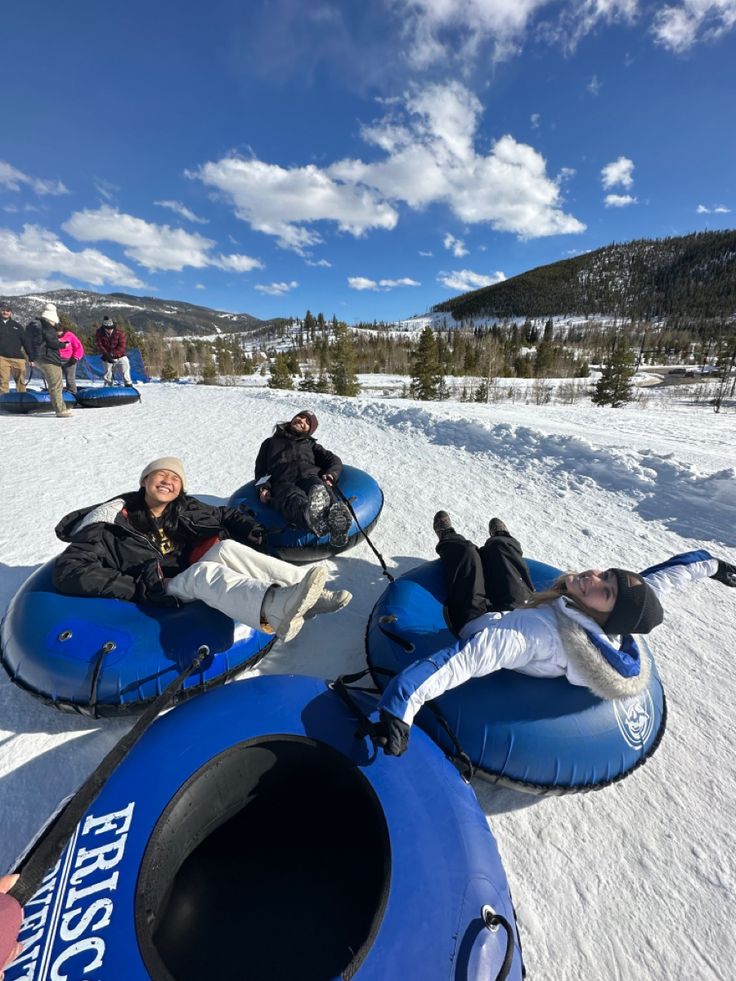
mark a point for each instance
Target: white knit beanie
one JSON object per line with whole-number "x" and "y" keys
{"x": 172, "y": 463}
{"x": 49, "y": 313}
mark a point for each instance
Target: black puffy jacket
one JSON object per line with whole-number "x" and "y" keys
{"x": 287, "y": 456}
{"x": 42, "y": 342}
{"x": 109, "y": 557}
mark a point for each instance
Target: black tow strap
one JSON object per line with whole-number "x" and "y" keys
{"x": 364, "y": 533}
{"x": 46, "y": 851}
{"x": 460, "y": 759}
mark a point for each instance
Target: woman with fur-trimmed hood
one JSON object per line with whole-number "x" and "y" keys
{"x": 582, "y": 627}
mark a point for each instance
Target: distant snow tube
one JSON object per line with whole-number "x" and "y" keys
{"x": 542, "y": 735}
{"x": 299, "y": 544}
{"x": 32, "y": 400}
{"x": 251, "y": 834}
{"x": 104, "y": 657}
{"x": 107, "y": 395}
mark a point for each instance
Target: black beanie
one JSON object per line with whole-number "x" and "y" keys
{"x": 637, "y": 609}
{"x": 311, "y": 417}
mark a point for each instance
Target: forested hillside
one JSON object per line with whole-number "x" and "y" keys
{"x": 686, "y": 279}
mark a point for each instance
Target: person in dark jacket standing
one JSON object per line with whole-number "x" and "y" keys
{"x": 158, "y": 545}
{"x": 44, "y": 346}
{"x": 13, "y": 351}
{"x": 111, "y": 343}
{"x": 297, "y": 476}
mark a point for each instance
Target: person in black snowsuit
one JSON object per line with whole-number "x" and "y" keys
{"x": 297, "y": 476}
{"x": 158, "y": 545}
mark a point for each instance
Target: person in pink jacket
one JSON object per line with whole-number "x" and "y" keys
{"x": 70, "y": 352}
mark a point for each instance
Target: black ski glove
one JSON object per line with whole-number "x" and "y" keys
{"x": 725, "y": 573}
{"x": 391, "y": 734}
{"x": 108, "y": 359}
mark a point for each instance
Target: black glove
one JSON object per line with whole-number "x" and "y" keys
{"x": 151, "y": 587}
{"x": 108, "y": 359}
{"x": 69, "y": 361}
{"x": 725, "y": 573}
{"x": 257, "y": 535}
{"x": 391, "y": 734}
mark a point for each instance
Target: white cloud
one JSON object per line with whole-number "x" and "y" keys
{"x": 429, "y": 158}
{"x": 284, "y": 202}
{"x": 11, "y": 179}
{"x": 535, "y": 119}
{"x": 455, "y": 245}
{"x": 425, "y": 253}
{"x": 276, "y": 289}
{"x": 319, "y": 263}
{"x": 200, "y": 286}
{"x": 381, "y": 285}
{"x": 465, "y": 280}
{"x": 619, "y": 200}
{"x": 437, "y": 30}
{"x": 106, "y": 189}
{"x": 718, "y": 209}
{"x": 154, "y": 246}
{"x": 36, "y": 254}
{"x": 594, "y": 85}
{"x": 181, "y": 209}
{"x": 19, "y": 287}
{"x": 679, "y": 27}
{"x": 618, "y": 173}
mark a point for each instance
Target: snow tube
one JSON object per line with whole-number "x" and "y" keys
{"x": 299, "y": 544}
{"x": 250, "y": 833}
{"x": 32, "y": 400}
{"x": 542, "y": 735}
{"x": 99, "y": 397}
{"x": 104, "y": 657}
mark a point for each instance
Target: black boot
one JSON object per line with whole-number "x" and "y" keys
{"x": 339, "y": 520}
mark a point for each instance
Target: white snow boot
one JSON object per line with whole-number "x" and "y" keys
{"x": 284, "y": 607}
{"x": 329, "y": 602}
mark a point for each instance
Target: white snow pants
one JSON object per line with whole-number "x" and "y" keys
{"x": 123, "y": 364}
{"x": 234, "y": 579}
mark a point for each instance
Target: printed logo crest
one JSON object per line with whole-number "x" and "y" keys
{"x": 635, "y": 718}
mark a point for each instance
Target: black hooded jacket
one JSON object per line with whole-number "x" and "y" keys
{"x": 42, "y": 342}
{"x": 109, "y": 557}
{"x": 288, "y": 456}
{"x": 13, "y": 340}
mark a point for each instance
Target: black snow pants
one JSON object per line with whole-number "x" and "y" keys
{"x": 489, "y": 579}
{"x": 291, "y": 499}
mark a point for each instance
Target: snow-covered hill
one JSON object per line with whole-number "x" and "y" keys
{"x": 634, "y": 882}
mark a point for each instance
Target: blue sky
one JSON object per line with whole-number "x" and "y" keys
{"x": 363, "y": 159}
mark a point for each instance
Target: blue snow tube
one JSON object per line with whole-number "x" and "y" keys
{"x": 104, "y": 657}
{"x": 299, "y": 544}
{"x": 250, "y": 833}
{"x": 542, "y": 735}
{"x": 100, "y": 397}
{"x": 32, "y": 400}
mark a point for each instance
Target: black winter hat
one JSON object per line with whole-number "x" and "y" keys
{"x": 311, "y": 417}
{"x": 108, "y": 322}
{"x": 637, "y": 609}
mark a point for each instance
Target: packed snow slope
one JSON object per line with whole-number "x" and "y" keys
{"x": 633, "y": 882}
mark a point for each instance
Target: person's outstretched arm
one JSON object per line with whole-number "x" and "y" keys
{"x": 682, "y": 570}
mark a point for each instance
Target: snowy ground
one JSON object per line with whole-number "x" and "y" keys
{"x": 633, "y": 882}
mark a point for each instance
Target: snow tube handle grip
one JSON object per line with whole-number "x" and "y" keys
{"x": 492, "y": 921}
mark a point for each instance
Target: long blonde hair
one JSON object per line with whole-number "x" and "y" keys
{"x": 557, "y": 589}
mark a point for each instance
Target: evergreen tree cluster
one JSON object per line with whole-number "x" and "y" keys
{"x": 691, "y": 277}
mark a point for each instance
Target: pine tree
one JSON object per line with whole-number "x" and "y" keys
{"x": 426, "y": 374}
{"x": 342, "y": 371}
{"x": 308, "y": 383}
{"x": 280, "y": 374}
{"x": 614, "y": 386}
{"x": 169, "y": 373}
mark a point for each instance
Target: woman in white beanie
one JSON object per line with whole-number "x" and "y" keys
{"x": 159, "y": 545}
{"x": 43, "y": 344}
